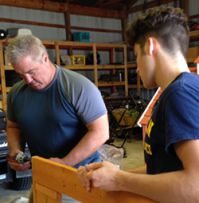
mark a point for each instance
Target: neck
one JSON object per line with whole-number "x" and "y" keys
{"x": 52, "y": 72}
{"x": 168, "y": 68}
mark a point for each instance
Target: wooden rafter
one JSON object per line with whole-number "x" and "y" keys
{"x": 130, "y": 3}
{"x": 148, "y": 5}
{"x": 64, "y": 7}
{"x": 111, "y": 2}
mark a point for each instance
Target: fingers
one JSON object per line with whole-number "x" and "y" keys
{"x": 83, "y": 175}
{"x": 19, "y": 167}
{"x": 94, "y": 166}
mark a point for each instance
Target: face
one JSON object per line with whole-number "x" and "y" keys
{"x": 145, "y": 66}
{"x": 36, "y": 74}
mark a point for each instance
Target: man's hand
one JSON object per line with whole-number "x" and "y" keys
{"x": 101, "y": 175}
{"x": 18, "y": 166}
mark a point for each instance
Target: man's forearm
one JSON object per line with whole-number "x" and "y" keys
{"x": 88, "y": 145}
{"x": 14, "y": 140}
{"x": 169, "y": 187}
{"x": 140, "y": 170}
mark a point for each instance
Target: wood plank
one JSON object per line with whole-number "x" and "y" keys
{"x": 110, "y": 84}
{"x": 97, "y": 12}
{"x": 192, "y": 54}
{"x": 194, "y": 16}
{"x": 103, "y": 67}
{"x": 3, "y": 80}
{"x": 63, "y": 179}
{"x": 79, "y": 67}
{"x": 184, "y": 4}
{"x": 131, "y": 65}
{"x": 109, "y": 45}
{"x": 73, "y": 44}
{"x": 92, "y": 29}
{"x": 28, "y": 22}
{"x": 67, "y": 26}
{"x": 125, "y": 70}
{"x": 194, "y": 34}
{"x": 95, "y": 65}
{"x": 46, "y": 191}
{"x": 147, "y": 5}
{"x": 64, "y": 7}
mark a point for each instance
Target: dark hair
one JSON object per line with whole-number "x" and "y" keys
{"x": 167, "y": 24}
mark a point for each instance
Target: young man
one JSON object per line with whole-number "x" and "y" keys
{"x": 160, "y": 39}
{"x": 60, "y": 113}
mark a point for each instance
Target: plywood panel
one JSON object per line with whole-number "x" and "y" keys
{"x": 52, "y": 178}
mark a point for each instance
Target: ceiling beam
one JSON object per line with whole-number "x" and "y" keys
{"x": 148, "y": 5}
{"x": 98, "y": 12}
{"x": 110, "y": 2}
{"x": 65, "y": 7}
{"x": 184, "y": 4}
{"x": 130, "y": 4}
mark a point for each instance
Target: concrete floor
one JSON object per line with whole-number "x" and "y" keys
{"x": 135, "y": 158}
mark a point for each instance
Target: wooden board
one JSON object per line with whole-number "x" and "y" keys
{"x": 50, "y": 179}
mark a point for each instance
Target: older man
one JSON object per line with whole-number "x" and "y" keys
{"x": 60, "y": 113}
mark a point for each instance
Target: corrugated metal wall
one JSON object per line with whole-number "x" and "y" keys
{"x": 58, "y": 18}
{"x": 37, "y": 16}
{"x": 76, "y": 20}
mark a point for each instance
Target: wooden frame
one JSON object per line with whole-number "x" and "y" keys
{"x": 50, "y": 179}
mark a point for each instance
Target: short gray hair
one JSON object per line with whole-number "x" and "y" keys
{"x": 22, "y": 46}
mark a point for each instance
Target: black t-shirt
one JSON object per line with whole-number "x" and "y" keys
{"x": 175, "y": 118}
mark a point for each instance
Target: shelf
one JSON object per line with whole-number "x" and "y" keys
{"x": 192, "y": 54}
{"x": 109, "y": 84}
{"x": 194, "y": 35}
{"x": 79, "y": 67}
{"x": 103, "y": 67}
{"x": 134, "y": 86}
{"x": 73, "y": 44}
{"x": 109, "y": 45}
{"x": 8, "y": 67}
{"x": 7, "y": 89}
{"x": 131, "y": 65}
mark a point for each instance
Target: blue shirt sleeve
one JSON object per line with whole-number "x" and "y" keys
{"x": 85, "y": 97}
{"x": 182, "y": 116}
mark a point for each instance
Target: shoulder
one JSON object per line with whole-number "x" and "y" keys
{"x": 17, "y": 87}
{"x": 73, "y": 81}
{"x": 184, "y": 88}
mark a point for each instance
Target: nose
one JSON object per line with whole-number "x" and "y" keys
{"x": 28, "y": 79}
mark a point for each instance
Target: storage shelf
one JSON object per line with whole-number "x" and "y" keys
{"x": 103, "y": 67}
{"x": 9, "y": 67}
{"x": 59, "y": 46}
{"x": 134, "y": 86}
{"x": 109, "y": 84}
{"x": 194, "y": 35}
{"x": 7, "y": 89}
{"x": 131, "y": 65}
{"x": 80, "y": 67}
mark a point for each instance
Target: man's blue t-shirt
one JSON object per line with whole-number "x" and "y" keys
{"x": 175, "y": 118}
{"x": 53, "y": 120}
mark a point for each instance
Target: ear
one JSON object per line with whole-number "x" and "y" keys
{"x": 45, "y": 58}
{"x": 151, "y": 46}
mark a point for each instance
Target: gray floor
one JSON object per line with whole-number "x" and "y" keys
{"x": 134, "y": 159}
